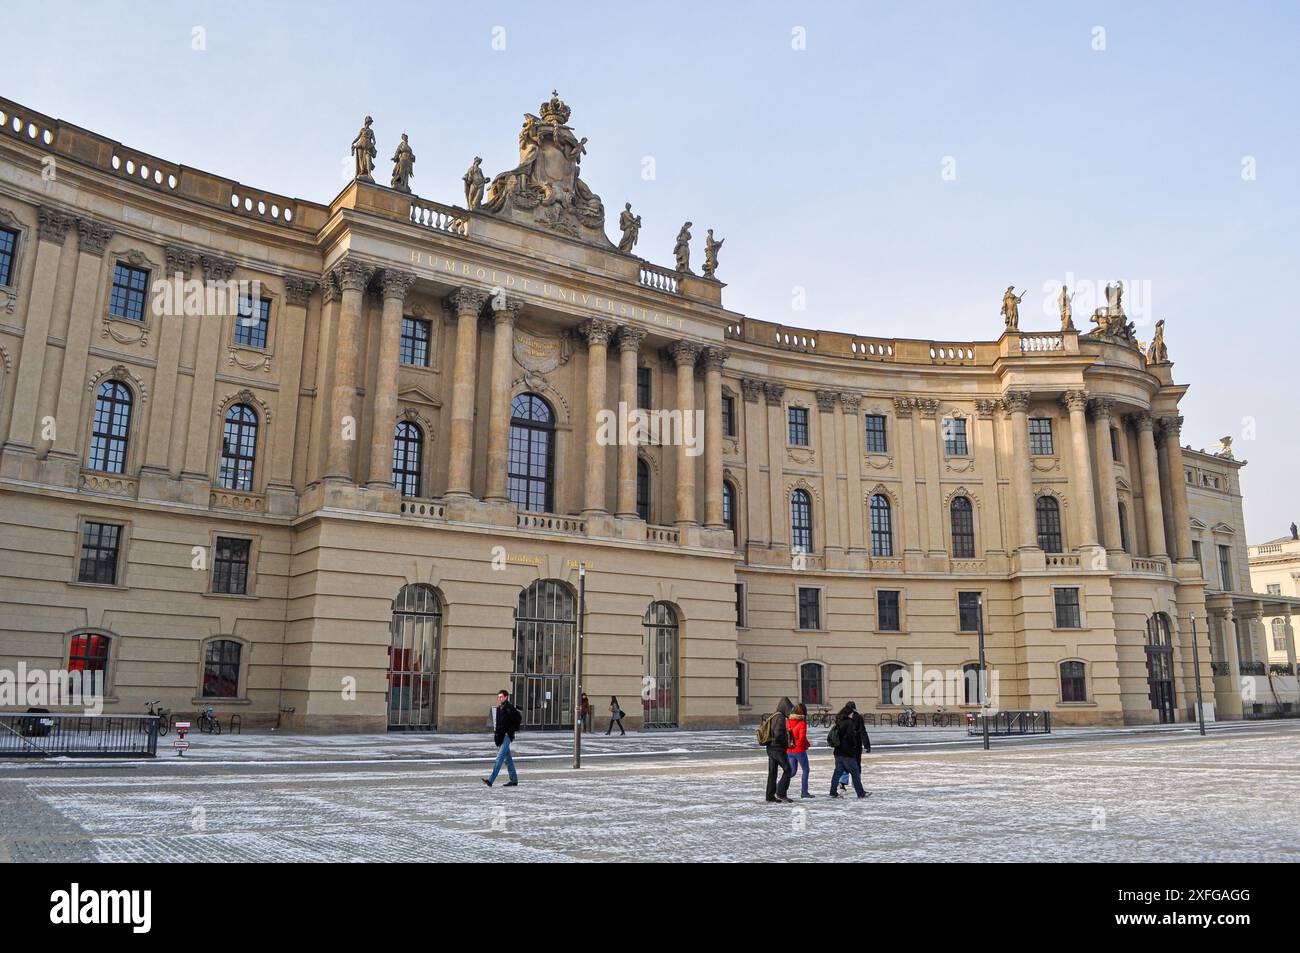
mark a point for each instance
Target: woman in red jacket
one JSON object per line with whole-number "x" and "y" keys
{"x": 797, "y": 726}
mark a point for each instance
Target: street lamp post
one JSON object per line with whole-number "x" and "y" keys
{"x": 1196, "y": 671}
{"x": 577, "y": 679}
{"x": 984, "y": 675}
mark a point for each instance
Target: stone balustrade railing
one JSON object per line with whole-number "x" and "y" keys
{"x": 1156, "y": 566}
{"x": 663, "y": 534}
{"x": 1036, "y": 343}
{"x": 438, "y": 217}
{"x": 424, "y": 509}
{"x": 661, "y": 279}
{"x": 1063, "y": 561}
{"x": 551, "y": 522}
{"x": 234, "y": 500}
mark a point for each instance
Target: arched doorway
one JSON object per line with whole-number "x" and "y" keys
{"x": 1160, "y": 666}
{"x": 545, "y": 636}
{"x": 414, "y": 649}
{"x": 659, "y": 700}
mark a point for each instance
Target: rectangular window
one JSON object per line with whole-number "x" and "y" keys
{"x": 954, "y": 437}
{"x": 100, "y": 543}
{"x": 414, "y": 349}
{"x": 1275, "y": 589}
{"x": 887, "y": 616}
{"x": 810, "y": 608}
{"x": 1067, "y": 609}
{"x": 643, "y": 388}
{"x": 88, "y": 652}
{"x": 798, "y": 418}
{"x": 968, "y": 611}
{"x": 1040, "y": 436}
{"x": 1114, "y": 443}
{"x": 230, "y": 566}
{"x": 1196, "y": 554}
{"x": 251, "y": 324}
{"x": 728, "y": 416}
{"x": 1225, "y": 567}
{"x": 876, "y": 440}
{"x": 8, "y": 246}
{"x": 740, "y": 605}
{"x": 127, "y": 297}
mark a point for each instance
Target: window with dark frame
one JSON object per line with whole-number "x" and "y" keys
{"x": 238, "y": 449}
{"x": 1196, "y": 554}
{"x": 88, "y": 652}
{"x": 970, "y": 677}
{"x": 643, "y": 388}
{"x": 414, "y": 348}
{"x": 1074, "y": 685}
{"x": 221, "y": 669}
{"x": 1040, "y": 436}
{"x": 798, "y": 426}
{"x": 100, "y": 548}
{"x": 728, "y": 416}
{"x": 954, "y": 437}
{"x": 742, "y": 684}
{"x": 968, "y": 611}
{"x": 1225, "y": 567}
{"x": 812, "y": 683}
{"x": 729, "y": 505}
{"x": 110, "y": 428}
{"x": 1067, "y": 608}
{"x": 643, "y": 490}
{"x": 801, "y": 521}
{"x": 1123, "y": 528}
{"x": 252, "y": 321}
{"x": 740, "y": 605}
{"x": 882, "y": 533}
{"x": 126, "y": 300}
{"x": 962, "y": 518}
{"x": 877, "y": 439}
{"x": 1114, "y": 443}
{"x": 887, "y": 614}
{"x": 810, "y": 607}
{"x": 1048, "y": 512}
{"x": 8, "y": 249}
{"x": 892, "y": 678}
{"x": 408, "y": 458}
{"x": 230, "y": 566}
{"x": 531, "y": 467}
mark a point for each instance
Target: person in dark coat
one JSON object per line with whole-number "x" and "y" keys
{"x": 615, "y": 716}
{"x": 505, "y": 724}
{"x": 778, "y": 741}
{"x": 853, "y": 738}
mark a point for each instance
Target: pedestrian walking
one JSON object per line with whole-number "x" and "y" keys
{"x": 848, "y": 738}
{"x": 584, "y": 711}
{"x": 797, "y": 753}
{"x": 774, "y": 735}
{"x": 504, "y": 724}
{"x": 615, "y": 716}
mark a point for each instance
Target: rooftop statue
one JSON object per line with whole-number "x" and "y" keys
{"x": 474, "y": 180}
{"x": 630, "y": 226}
{"x": 711, "y": 254}
{"x": 364, "y": 151}
{"x": 545, "y": 188}
{"x": 1111, "y": 321}
{"x": 1157, "y": 353}
{"x": 682, "y": 250}
{"x": 403, "y": 165}
{"x": 1011, "y": 308}
{"x": 1067, "y": 314}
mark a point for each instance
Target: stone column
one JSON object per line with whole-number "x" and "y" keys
{"x": 907, "y": 466}
{"x": 758, "y": 508}
{"x": 834, "y": 535}
{"x": 1076, "y": 402}
{"x": 1182, "y": 542}
{"x": 198, "y": 448}
{"x": 298, "y": 290}
{"x": 1155, "y": 519}
{"x": 1101, "y": 410}
{"x": 777, "y": 437}
{"x": 383, "y": 410}
{"x": 714, "y": 359}
{"x": 989, "y": 529}
{"x": 598, "y": 334}
{"x": 504, "y": 314}
{"x": 684, "y": 354}
{"x": 51, "y": 232}
{"x": 467, "y": 303}
{"x": 854, "y": 437}
{"x": 1230, "y": 648}
{"x": 352, "y": 277}
{"x": 1016, "y": 405}
{"x": 1290, "y": 643}
{"x": 629, "y": 344}
{"x": 929, "y": 440}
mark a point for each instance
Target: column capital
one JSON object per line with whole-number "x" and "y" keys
{"x": 1101, "y": 407}
{"x": 352, "y": 274}
{"x": 1172, "y": 427}
{"x": 329, "y": 288}
{"x": 298, "y": 289}
{"x": 986, "y": 408}
{"x": 505, "y": 310}
{"x": 597, "y": 331}
{"x": 903, "y": 406}
{"x": 93, "y": 237}
{"x": 395, "y": 284}
{"x": 750, "y": 389}
{"x": 684, "y": 353}
{"x": 826, "y": 400}
{"x": 1016, "y": 401}
{"x": 1075, "y": 400}
{"x": 52, "y": 224}
{"x": 851, "y": 403}
{"x": 216, "y": 268}
{"x": 774, "y": 391}
{"x": 467, "y": 301}
{"x": 715, "y": 357}
{"x": 1143, "y": 422}
{"x": 926, "y": 405}
{"x": 180, "y": 259}
{"x": 630, "y": 338}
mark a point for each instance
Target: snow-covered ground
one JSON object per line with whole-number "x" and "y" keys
{"x": 687, "y": 796}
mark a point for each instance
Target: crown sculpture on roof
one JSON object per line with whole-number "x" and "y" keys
{"x": 544, "y": 189}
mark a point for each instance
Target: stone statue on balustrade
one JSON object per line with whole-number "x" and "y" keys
{"x": 403, "y": 165}
{"x": 1157, "y": 353}
{"x": 1011, "y": 308}
{"x": 711, "y": 254}
{"x": 1067, "y": 315}
{"x": 630, "y": 226}
{"x": 474, "y": 180}
{"x": 364, "y": 152}
{"x": 682, "y": 250}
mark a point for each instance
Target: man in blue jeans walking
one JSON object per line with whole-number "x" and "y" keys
{"x": 506, "y": 723}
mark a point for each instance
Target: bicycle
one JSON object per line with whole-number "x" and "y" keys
{"x": 164, "y": 716}
{"x": 208, "y": 722}
{"x": 906, "y": 718}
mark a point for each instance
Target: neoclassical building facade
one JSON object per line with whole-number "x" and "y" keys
{"x": 339, "y": 467}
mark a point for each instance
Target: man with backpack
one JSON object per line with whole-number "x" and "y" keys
{"x": 506, "y": 723}
{"x": 774, "y": 736}
{"x": 848, "y": 739}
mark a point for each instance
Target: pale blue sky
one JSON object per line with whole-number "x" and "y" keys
{"x": 821, "y": 167}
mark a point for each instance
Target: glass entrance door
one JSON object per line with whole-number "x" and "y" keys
{"x": 659, "y": 698}
{"x": 545, "y": 637}
{"x": 1160, "y": 667}
{"x": 414, "y": 647}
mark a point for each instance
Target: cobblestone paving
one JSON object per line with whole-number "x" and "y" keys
{"x": 1098, "y": 796}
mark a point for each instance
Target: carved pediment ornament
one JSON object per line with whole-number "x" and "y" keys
{"x": 807, "y": 487}
{"x": 879, "y": 461}
{"x": 246, "y": 396}
{"x": 259, "y": 360}
{"x": 119, "y": 372}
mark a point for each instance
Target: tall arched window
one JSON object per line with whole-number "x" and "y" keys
{"x": 238, "y": 448}
{"x": 1049, "y": 524}
{"x": 812, "y": 683}
{"x": 1123, "y": 528}
{"x": 408, "y": 456}
{"x": 414, "y": 652}
{"x": 801, "y": 536}
{"x": 729, "y": 505}
{"x": 882, "y": 532}
{"x": 111, "y": 428}
{"x": 643, "y": 489}
{"x": 531, "y": 469}
{"x": 963, "y": 528}
{"x": 660, "y": 625}
{"x": 893, "y": 679}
